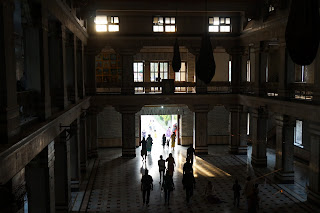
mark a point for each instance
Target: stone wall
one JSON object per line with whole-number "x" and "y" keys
{"x": 218, "y": 126}
{"x": 109, "y": 128}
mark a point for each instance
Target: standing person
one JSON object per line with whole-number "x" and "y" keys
{"x": 171, "y": 164}
{"x": 168, "y": 134}
{"x": 168, "y": 186}
{"x": 162, "y": 167}
{"x": 146, "y": 186}
{"x": 187, "y": 167}
{"x": 144, "y": 133}
{"x": 248, "y": 191}
{"x": 163, "y": 140}
{"x": 190, "y": 152}
{"x": 236, "y": 193}
{"x": 209, "y": 194}
{"x": 189, "y": 184}
{"x": 173, "y": 140}
{"x": 143, "y": 144}
{"x": 149, "y": 143}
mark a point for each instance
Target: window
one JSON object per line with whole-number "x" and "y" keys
{"x": 248, "y": 124}
{"x": 229, "y": 70}
{"x": 138, "y": 71}
{"x": 298, "y": 134}
{"x": 271, "y": 8}
{"x": 303, "y": 68}
{"x": 181, "y": 76}
{"x": 164, "y": 24}
{"x": 220, "y": 24}
{"x": 158, "y": 71}
{"x": 248, "y": 71}
{"x": 107, "y": 23}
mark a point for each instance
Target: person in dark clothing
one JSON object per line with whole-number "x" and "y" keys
{"x": 162, "y": 167}
{"x": 190, "y": 152}
{"x": 187, "y": 167}
{"x": 143, "y": 144}
{"x": 188, "y": 180}
{"x": 236, "y": 193}
{"x": 167, "y": 186}
{"x": 164, "y": 140}
{"x": 146, "y": 186}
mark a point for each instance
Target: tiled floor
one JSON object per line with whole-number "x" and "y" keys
{"x": 116, "y": 184}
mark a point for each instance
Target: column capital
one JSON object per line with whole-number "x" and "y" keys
{"x": 128, "y": 109}
{"x": 200, "y": 108}
{"x": 261, "y": 111}
{"x": 285, "y": 120}
{"x": 234, "y": 108}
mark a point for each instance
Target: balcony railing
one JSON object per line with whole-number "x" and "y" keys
{"x": 301, "y": 91}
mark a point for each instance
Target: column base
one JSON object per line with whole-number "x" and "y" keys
{"x": 83, "y": 167}
{"x": 285, "y": 177}
{"x": 93, "y": 154}
{"x": 75, "y": 185}
{"x": 62, "y": 208}
{"x": 313, "y": 197}
{"x": 129, "y": 153}
{"x": 233, "y": 150}
{"x": 259, "y": 162}
{"x": 201, "y": 150}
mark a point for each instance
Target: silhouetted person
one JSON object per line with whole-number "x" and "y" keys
{"x": 167, "y": 186}
{"x": 164, "y": 140}
{"x": 189, "y": 183}
{"x": 171, "y": 164}
{"x": 173, "y": 140}
{"x": 146, "y": 186}
{"x": 248, "y": 192}
{"x": 162, "y": 167}
{"x": 143, "y": 149}
{"x": 187, "y": 167}
{"x": 209, "y": 193}
{"x": 188, "y": 180}
{"x": 190, "y": 152}
{"x": 236, "y": 193}
{"x": 149, "y": 143}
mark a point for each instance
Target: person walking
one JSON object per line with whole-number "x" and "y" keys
{"x": 149, "y": 143}
{"x": 168, "y": 135}
{"x": 190, "y": 152}
{"x": 162, "y": 167}
{"x": 163, "y": 140}
{"x": 171, "y": 164}
{"x": 146, "y": 186}
{"x": 189, "y": 184}
{"x": 187, "y": 167}
{"x": 236, "y": 193}
{"x": 210, "y": 194}
{"x": 143, "y": 144}
{"x": 167, "y": 186}
{"x": 173, "y": 140}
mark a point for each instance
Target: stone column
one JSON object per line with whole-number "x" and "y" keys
{"x": 83, "y": 143}
{"x": 91, "y": 84}
{"x": 282, "y": 71}
{"x": 314, "y": 164}
{"x": 70, "y": 65}
{"x": 62, "y": 173}
{"x": 127, "y": 87}
{"x": 234, "y": 119}
{"x": 37, "y": 61}
{"x": 9, "y": 109}
{"x": 237, "y": 141}
{"x": 57, "y": 78}
{"x": 260, "y": 71}
{"x": 259, "y": 137}
{"x": 200, "y": 128}
{"x": 186, "y": 128}
{"x": 75, "y": 155}
{"x": 40, "y": 181}
{"x": 75, "y": 55}
{"x": 316, "y": 92}
{"x": 92, "y": 131}
{"x": 83, "y": 64}
{"x": 147, "y": 75}
{"x": 242, "y": 149}
{"x": 128, "y": 129}
{"x": 236, "y": 60}
{"x": 64, "y": 67}
{"x": 285, "y": 148}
